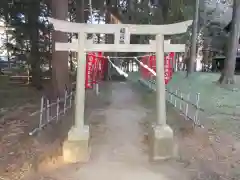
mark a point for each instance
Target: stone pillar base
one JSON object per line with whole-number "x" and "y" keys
{"x": 76, "y": 147}
{"x": 162, "y": 145}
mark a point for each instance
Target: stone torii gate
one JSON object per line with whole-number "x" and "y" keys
{"x": 76, "y": 147}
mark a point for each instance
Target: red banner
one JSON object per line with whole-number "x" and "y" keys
{"x": 144, "y": 71}
{"x": 104, "y": 66}
{"x": 98, "y": 67}
{"x": 101, "y": 66}
{"x": 168, "y": 66}
{"x": 150, "y": 61}
{"x": 167, "y": 60}
{"x": 94, "y": 69}
{"x": 153, "y": 63}
{"x": 89, "y": 70}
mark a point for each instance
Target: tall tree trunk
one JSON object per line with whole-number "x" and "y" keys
{"x": 71, "y": 53}
{"x": 34, "y": 10}
{"x": 191, "y": 65}
{"x": 60, "y": 74}
{"x": 6, "y": 17}
{"x": 98, "y": 35}
{"x": 109, "y": 38}
{"x": 80, "y": 11}
{"x": 206, "y": 53}
{"x": 7, "y": 47}
{"x": 227, "y": 76}
{"x": 131, "y": 10}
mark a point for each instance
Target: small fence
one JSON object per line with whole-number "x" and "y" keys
{"x": 52, "y": 110}
{"x": 187, "y": 104}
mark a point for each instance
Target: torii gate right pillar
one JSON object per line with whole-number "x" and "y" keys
{"x": 162, "y": 145}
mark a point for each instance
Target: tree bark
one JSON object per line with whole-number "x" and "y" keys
{"x": 109, "y": 38}
{"x": 206, "y": 53}
{"x": 191, "y": 64}
{"x": 6, "y": 17}
{"x": 71, "y": 53}
{"x": 80, "y": 15}
{"x": 34, "y": 11}
{"x": 227, "y": 76}
{"x": 60, "y": 74}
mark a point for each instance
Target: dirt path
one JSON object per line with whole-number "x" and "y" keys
{"x": 119, "y": 149}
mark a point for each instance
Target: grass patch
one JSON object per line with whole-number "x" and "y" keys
{"x": 13, "y": 95}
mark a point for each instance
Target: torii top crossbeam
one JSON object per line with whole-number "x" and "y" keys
{"x": 70, "y": 27}
{"x": 170, "y": 29}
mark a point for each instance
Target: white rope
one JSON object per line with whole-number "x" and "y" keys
{"x": 146, "y": 67}
{"x": 130, "y": 57}
{"x": 122, "y": 57}
{"x": 121, "y": 72}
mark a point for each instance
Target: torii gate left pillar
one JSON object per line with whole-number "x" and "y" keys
{"x": 76, "y": 148}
